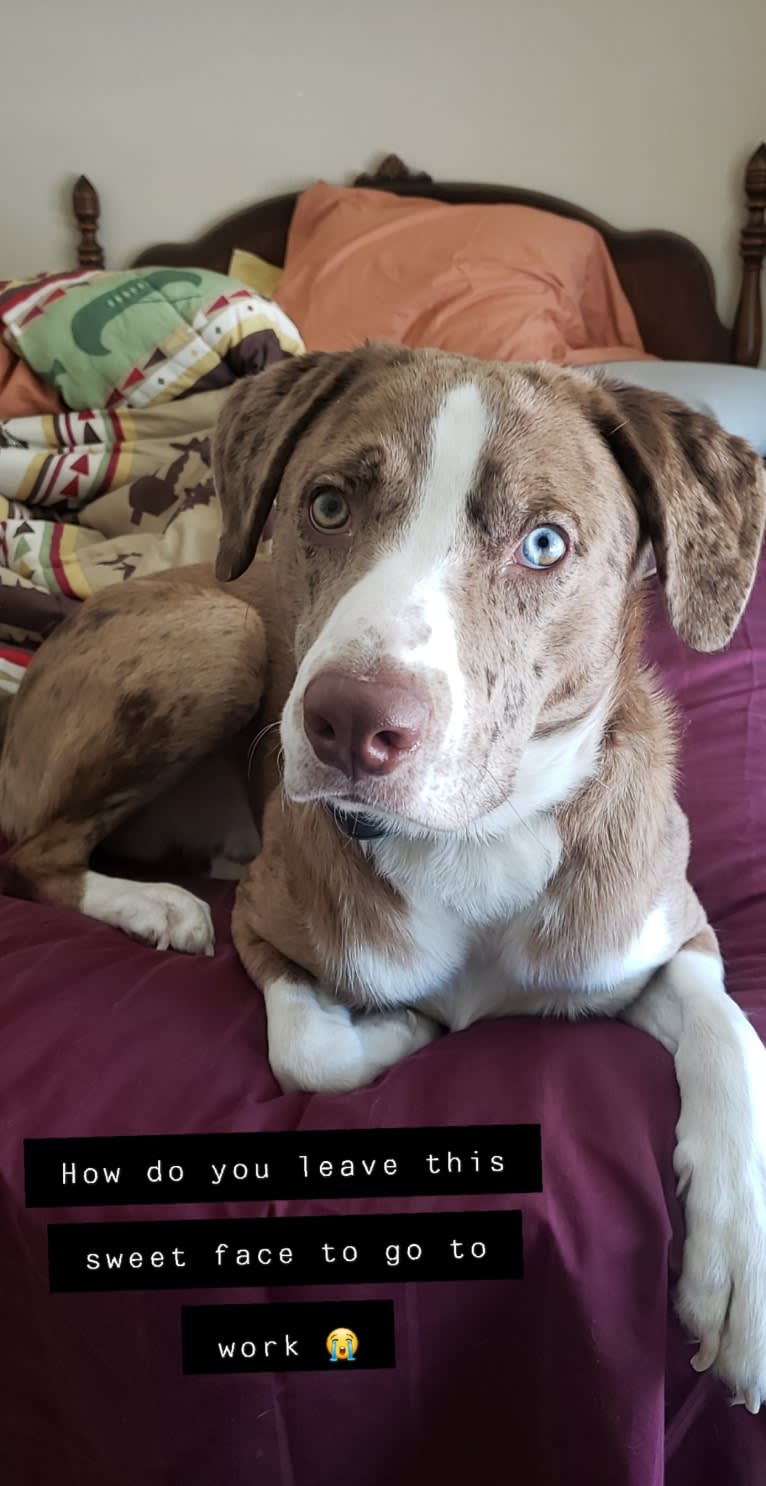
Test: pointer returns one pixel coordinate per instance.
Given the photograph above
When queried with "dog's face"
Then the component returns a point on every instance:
(444, 542)
(455, 548)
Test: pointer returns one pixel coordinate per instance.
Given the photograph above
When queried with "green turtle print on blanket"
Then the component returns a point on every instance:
(91, 320)
(136, 338)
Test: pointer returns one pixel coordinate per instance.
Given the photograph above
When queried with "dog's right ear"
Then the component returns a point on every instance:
(260, 424)
(700, 495)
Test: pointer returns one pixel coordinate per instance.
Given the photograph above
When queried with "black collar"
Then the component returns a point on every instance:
(358, 827)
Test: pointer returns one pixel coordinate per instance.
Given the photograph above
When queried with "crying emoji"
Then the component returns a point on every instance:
(342, 1345)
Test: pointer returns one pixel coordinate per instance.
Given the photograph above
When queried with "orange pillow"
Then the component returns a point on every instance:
(508, 283)
(21, 392)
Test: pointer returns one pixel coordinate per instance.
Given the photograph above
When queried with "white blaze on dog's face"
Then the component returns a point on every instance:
(401, 617)
(456, 558)
(455, 553)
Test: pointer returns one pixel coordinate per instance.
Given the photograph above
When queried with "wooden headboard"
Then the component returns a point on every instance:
(667, 280)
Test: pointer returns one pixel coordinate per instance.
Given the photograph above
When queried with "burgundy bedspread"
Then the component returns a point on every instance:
(577, 1373)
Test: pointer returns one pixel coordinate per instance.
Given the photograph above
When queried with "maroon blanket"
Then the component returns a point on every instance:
(577, 1373)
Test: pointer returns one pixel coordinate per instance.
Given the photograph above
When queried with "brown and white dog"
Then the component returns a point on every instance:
(473, 814)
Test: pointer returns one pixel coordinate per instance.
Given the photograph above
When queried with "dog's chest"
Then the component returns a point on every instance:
(476, 882)
(460, 899)
(460, 948)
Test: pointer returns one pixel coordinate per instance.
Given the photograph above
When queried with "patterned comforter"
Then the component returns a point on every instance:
(119, 482)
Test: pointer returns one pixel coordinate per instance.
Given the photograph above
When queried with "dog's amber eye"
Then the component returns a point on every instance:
(543, 548)
(329, 510)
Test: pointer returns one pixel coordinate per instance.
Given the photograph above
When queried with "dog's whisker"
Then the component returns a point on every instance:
(254, 745)
(486, 773)
(262, 734)
(281, 773)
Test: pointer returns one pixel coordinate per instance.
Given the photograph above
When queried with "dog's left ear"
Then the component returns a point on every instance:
(260, 423)
(701, 498)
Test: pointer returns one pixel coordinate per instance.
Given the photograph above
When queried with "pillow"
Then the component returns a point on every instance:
(734, 395)
(21, 392)
(502, 282)
(259, 275)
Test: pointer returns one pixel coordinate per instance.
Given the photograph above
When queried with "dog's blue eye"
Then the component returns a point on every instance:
(543, 548)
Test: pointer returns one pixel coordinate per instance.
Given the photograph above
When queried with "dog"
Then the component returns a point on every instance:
(429, 709)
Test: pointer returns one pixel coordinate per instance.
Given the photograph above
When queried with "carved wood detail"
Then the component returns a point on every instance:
(90, 253)
(392, 170)
(748, 323)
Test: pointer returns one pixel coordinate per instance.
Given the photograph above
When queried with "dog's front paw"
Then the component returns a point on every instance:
(318, 1045)
(158, 913)
(721, 1297)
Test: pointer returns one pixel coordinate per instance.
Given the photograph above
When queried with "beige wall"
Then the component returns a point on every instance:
(180, 110)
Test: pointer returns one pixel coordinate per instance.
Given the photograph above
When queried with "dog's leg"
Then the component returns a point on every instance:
(119, 703)
(315, 1043)
(720, 1161)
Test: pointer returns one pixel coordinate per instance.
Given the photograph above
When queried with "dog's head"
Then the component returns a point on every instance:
(456, 547)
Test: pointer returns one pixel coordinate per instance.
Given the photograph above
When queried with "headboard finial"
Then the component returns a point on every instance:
(393, 171)
(748, 326)
(755, 175)
(90, 253)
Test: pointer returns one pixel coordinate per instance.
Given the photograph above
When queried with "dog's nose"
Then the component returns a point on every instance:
(362, 727)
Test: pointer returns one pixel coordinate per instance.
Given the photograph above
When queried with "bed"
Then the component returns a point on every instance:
(580, 1372)
(667, 279)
